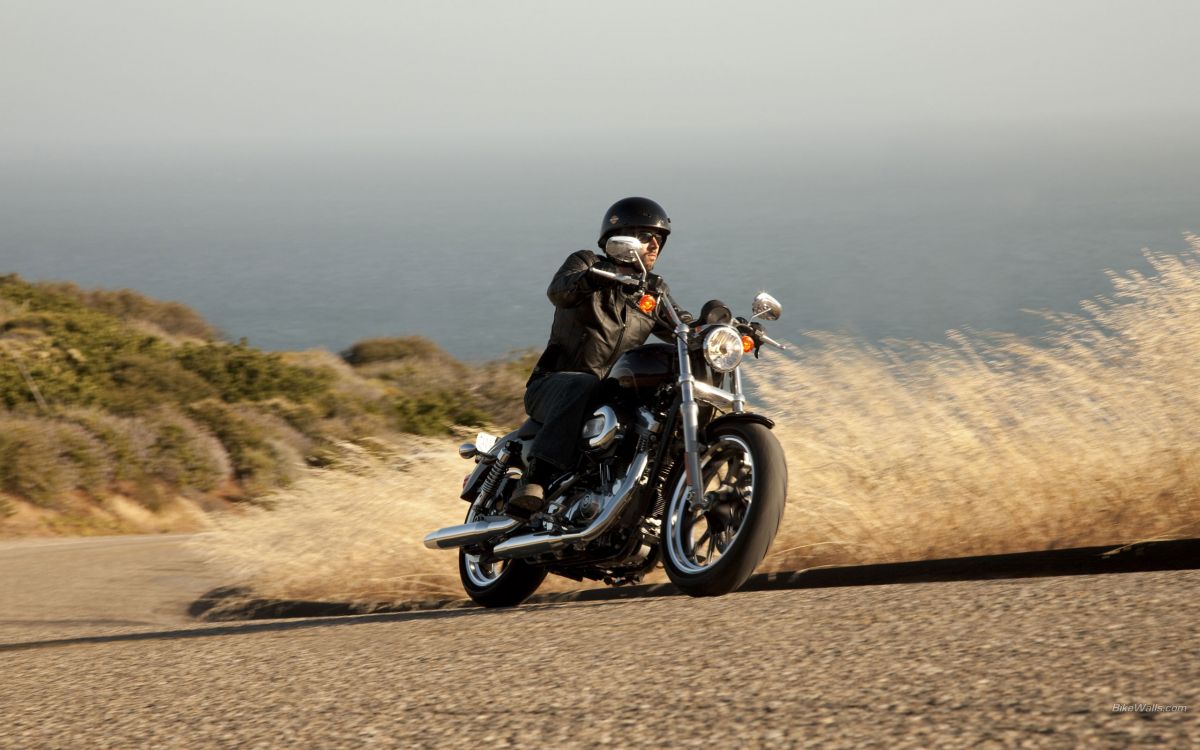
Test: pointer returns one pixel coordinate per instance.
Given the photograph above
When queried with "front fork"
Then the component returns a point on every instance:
(689, 410)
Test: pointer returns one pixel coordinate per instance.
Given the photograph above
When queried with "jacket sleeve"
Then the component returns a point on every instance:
(571, 283)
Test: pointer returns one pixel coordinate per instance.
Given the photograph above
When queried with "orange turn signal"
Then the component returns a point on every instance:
(647, 304)
(747, 344)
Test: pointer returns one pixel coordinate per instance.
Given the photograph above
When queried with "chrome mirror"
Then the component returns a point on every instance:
(766, 307)
(624, 249)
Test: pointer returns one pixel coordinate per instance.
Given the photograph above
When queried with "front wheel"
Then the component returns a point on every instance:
(497, 583)
(711, 546)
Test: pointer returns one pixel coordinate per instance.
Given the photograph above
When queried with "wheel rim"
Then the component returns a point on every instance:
(699, 534)
(480, 572)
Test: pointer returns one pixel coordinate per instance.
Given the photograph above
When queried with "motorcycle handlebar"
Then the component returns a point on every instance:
(629, 280)
(635, 281)
(768, 340)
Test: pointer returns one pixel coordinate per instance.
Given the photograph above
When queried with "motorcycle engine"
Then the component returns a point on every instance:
(584, 508)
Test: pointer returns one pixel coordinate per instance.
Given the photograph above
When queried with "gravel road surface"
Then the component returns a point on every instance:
(62, 587)
(1000, 663)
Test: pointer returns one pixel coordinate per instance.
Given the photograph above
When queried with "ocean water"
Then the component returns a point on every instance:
(321, 250)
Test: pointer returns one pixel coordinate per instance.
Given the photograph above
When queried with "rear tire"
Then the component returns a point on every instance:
(499, 583)
(745, 518)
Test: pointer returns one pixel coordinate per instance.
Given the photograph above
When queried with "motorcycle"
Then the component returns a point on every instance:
(674, 469)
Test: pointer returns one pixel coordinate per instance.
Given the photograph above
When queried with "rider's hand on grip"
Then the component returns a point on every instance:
(604, 266)
(609, 267)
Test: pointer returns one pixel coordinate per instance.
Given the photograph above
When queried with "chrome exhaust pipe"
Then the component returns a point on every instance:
(452, 537)
(536, 544)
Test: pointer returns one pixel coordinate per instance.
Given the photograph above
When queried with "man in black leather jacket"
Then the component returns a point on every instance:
(595, 321)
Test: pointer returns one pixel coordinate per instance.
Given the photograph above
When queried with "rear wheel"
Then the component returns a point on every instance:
(711, 546)
(496, 583)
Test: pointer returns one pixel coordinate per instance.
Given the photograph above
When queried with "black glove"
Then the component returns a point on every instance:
(607, 267)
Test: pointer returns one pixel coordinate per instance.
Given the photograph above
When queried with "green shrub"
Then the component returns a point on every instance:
(261, 460)
(140, 382)
(501, 387)
(183, 455)
(171, 317)
(395, 349)
(90, 456)
(67, 350)
(128, 440)
(41, 459)
(120, 402)
(304, 418)
(124, 304)
(434, 413)
(240, 372)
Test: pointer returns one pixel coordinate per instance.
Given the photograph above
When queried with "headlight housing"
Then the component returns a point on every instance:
(723, 348)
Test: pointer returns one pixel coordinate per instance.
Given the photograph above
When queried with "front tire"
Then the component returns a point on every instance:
(711, 548)
(497, 583)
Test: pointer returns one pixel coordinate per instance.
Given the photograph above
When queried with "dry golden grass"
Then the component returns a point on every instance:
(986, 444)
(990, 444)
(351, 532)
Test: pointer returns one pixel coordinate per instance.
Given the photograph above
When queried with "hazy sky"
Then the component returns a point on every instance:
(169, 74)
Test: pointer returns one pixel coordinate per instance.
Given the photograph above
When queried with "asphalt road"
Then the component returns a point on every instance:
(1000, 663)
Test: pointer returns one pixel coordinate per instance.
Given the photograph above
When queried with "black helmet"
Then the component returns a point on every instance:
(633, 213)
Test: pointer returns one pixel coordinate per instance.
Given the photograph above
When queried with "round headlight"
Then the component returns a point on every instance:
(723, 348)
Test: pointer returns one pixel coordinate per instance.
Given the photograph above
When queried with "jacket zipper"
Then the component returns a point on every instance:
(620, 337)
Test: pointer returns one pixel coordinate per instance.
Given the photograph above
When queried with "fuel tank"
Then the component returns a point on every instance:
(643, 369)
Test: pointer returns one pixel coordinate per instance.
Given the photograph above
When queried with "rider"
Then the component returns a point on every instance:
(596, 320)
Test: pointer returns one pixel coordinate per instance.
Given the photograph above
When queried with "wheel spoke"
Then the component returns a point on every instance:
(727, 471)
(688, 533)
(698, 542)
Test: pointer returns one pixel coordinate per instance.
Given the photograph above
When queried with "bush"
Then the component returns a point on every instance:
(259, 450)
(183, 454)
(435, 413)
(240, 372)
(171, 317)
(395, 349)
(99, 396)
(125, 304)
(42, 459)
(502, 387)
(304, 418)
(128, 440)
(140, 382)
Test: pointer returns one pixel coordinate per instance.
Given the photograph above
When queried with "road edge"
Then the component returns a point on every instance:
(228, 604)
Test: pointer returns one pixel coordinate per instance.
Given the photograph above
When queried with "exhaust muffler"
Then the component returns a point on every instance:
(469, 533)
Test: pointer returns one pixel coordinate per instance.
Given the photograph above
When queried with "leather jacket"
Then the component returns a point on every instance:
(595, 321)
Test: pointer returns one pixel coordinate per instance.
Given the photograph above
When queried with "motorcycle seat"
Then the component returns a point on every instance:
(528, 429)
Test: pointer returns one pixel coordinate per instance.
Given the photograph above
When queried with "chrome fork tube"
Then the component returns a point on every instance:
(689, 412)
(739, 399)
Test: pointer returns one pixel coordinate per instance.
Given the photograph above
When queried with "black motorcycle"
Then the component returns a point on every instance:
(673, 469)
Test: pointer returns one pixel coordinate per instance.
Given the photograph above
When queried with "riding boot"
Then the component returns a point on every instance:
(530, 494)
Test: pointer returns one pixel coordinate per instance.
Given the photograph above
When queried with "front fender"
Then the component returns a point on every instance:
(745, 416)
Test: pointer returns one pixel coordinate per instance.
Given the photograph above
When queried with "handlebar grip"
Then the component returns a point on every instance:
(622, 278)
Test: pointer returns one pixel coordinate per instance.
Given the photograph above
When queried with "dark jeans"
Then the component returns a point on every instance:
(562, 402)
